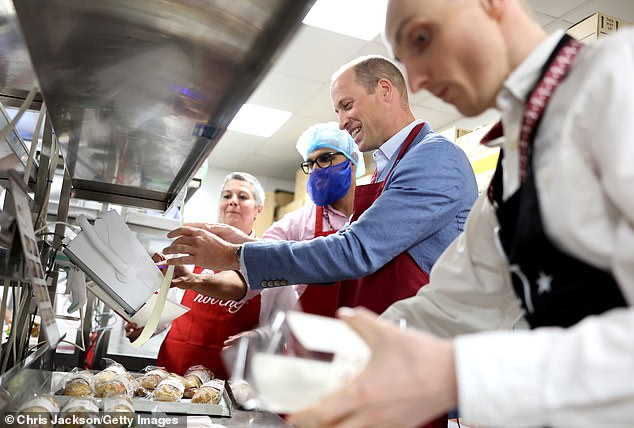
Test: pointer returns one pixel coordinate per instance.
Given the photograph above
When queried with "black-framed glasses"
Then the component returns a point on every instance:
(324, 160)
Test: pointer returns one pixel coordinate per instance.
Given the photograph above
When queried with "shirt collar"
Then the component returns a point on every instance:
(387, 150)
(523, 78)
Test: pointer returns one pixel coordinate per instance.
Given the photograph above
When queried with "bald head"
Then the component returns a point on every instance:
(460, 50)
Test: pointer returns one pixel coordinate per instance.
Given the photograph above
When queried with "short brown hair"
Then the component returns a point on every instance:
(370, 69)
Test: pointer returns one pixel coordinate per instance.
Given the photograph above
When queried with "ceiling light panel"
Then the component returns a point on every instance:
(362, 19)
(258, 120)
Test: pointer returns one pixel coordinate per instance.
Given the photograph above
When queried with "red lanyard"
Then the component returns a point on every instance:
(555, 70)
(539, 98)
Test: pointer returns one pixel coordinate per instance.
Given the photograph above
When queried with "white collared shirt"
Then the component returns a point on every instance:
(390, 148)
(584, 171)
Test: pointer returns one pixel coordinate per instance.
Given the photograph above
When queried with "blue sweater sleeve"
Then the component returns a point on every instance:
(420, 211)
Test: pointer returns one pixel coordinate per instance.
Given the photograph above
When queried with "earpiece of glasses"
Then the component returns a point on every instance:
(324, 160)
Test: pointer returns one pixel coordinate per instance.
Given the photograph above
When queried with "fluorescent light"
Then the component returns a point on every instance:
(363, 19)
(257, 120)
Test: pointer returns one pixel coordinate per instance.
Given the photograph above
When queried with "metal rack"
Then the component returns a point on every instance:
(138, 93)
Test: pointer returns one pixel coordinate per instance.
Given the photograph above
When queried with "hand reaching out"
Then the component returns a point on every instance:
(410, 379)
(224, 231)
(202, 248)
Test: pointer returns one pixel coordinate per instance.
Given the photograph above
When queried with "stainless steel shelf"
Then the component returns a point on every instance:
(139, 92)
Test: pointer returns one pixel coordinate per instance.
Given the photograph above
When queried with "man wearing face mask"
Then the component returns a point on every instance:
(332, 160)
(401, 222)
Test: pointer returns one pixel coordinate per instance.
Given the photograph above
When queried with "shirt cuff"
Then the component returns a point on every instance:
(499, 377)
(245, 274)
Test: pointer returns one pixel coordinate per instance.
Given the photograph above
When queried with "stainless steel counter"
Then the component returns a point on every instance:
(255, 419)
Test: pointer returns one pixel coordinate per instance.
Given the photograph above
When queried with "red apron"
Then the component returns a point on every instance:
(321, 299)
(401, 277)
(197, 337)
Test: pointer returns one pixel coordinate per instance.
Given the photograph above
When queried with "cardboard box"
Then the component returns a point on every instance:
(300, 184)
(291, 206)
(483, 159)
(266, 218)
(283, 197)
(453, 133)
(595, 26)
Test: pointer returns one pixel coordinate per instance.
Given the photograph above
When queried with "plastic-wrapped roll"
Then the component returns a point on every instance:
(122, 405)
(242, 391)
(189, 392)
(79, 384)
(171, 388)
(119, 403)
(81, 405)
(209, 392)
(110, 372)
(196, 375)
(152, 378)
(45, 407)
(120, 384)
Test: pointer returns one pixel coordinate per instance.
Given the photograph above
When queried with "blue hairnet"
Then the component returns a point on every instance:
(328, 135)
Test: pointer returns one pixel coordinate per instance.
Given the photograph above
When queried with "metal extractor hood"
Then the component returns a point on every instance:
(140, 91)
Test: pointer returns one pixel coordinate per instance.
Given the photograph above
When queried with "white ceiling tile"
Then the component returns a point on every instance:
(281, 151)
(294, 127)
(543, 19)
(556, 9)
(315, 54)
(286, 137)
(374, 48)
(270, 166)
(558, 24)
(320, 106)
(623, 9)
(436, 119)
(284, 92)
(227, 159)
(437, 104)
(240, 142)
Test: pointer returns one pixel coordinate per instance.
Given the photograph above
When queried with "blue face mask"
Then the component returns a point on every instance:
(326, 186)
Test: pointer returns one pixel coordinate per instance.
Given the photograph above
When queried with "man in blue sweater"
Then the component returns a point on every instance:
(412, 210)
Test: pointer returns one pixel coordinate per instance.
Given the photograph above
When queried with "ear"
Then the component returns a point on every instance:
(385, 89)
(258, 211)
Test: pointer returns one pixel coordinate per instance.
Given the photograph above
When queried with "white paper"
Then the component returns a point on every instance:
(322, 334)
(171, 311)
(113, 232)
(286, 384)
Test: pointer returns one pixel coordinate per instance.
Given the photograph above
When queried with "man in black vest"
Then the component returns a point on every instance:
(552, 240)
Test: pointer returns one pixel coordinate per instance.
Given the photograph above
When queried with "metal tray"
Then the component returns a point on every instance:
(182, 406)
